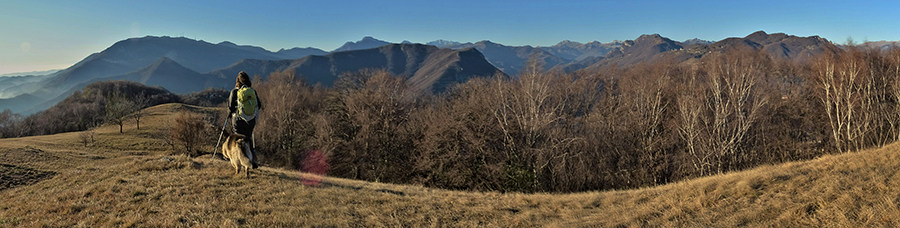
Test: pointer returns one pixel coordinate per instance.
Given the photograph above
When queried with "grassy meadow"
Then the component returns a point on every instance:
(135, 179)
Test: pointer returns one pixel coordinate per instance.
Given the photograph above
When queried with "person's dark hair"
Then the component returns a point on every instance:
(243, 79)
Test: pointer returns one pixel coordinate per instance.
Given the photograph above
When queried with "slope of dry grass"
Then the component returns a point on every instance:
(134, 179)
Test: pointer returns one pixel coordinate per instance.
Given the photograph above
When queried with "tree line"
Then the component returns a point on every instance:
(616, 128)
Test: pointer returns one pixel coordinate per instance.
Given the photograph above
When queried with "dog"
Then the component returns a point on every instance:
(237, 150)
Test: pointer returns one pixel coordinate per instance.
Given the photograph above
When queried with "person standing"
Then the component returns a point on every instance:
(244, 106)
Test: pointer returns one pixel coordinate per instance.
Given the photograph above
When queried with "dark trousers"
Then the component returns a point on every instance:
(246, 128)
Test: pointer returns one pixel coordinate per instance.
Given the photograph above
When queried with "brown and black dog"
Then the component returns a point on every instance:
(237, 150)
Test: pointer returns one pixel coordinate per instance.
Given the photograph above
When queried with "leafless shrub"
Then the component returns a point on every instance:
(189, 130)
(86, 137)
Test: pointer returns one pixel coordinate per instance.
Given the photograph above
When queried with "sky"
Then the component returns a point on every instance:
(41, 35)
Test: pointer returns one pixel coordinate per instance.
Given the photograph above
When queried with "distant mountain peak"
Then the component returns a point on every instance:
(486, 42)
(697, 41)
(297, 52)
(759, 33)
(763, 38)
(366, 43)
(443, 43)
(227, 43)
(643, 48)
(568, 42)
(650, 37)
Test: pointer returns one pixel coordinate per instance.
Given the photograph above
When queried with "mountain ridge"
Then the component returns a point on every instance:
(403, 60)
(576, 51)
(653, 47)
(366, 42)
(133, 54)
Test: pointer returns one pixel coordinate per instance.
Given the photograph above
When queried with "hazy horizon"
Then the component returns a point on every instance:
(45, 35)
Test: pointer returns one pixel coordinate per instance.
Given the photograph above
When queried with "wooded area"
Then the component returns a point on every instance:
(546, 131)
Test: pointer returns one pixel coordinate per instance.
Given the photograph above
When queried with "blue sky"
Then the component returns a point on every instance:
(42, 35)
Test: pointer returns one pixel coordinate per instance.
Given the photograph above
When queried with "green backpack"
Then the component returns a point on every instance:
(247, 103)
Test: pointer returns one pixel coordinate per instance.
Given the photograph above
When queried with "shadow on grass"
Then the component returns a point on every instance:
(13, 176)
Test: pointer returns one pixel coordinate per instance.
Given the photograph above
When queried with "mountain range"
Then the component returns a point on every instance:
(184, 65)
(427, 67)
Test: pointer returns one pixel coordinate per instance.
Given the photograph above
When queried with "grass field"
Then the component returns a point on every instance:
(135, 179)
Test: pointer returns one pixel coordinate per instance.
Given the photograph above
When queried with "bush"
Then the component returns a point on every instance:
(190, 130)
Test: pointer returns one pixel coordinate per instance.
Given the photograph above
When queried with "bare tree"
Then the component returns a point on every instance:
(718, 107)
(690, 128)
(141, 101)
(893, 73)
(528, 112)
(117, 109)
(844, 95)
(734, 102)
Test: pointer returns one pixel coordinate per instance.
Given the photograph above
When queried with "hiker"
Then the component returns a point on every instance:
(244, 106)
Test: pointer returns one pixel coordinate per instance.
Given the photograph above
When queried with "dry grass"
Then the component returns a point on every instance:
(133, 179)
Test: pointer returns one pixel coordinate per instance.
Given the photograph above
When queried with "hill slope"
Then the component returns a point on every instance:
(134, 179)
